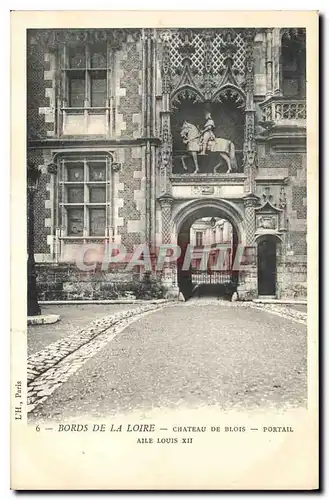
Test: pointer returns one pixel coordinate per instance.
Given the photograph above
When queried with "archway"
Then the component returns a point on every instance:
(219, 281)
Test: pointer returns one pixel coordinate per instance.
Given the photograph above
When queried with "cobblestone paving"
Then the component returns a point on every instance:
(295, 313)
(202, 352)
(46, 370)
(73, 317)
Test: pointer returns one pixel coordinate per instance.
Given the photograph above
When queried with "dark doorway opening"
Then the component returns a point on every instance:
(267, 266)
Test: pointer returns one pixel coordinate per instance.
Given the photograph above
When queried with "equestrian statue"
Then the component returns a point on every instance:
(201, 142)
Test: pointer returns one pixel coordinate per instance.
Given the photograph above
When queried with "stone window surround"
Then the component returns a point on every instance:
(87, 112)
(61, 205)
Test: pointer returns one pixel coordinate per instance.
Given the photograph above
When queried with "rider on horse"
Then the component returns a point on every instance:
(207, 135)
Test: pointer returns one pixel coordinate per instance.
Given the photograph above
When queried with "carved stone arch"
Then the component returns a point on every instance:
(229, 211)
(186, 92)
(231, 91)
(259, 237)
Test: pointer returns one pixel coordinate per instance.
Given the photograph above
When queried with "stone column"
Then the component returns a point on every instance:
(248, 285)
(166, 202)
(165, 157)
(249, 146)
(250, 202)
(52, 169)
(169, 273)
(269, 63)
(165, 154)
(276, 56)
(148, 125)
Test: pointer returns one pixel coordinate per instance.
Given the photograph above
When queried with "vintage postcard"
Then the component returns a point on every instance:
(164, 250)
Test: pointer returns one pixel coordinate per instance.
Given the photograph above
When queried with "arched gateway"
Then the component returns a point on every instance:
(222, 280)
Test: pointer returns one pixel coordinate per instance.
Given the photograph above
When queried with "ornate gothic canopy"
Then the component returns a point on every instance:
(205, 64)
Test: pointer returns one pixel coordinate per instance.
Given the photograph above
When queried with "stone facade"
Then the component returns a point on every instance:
(150, 81)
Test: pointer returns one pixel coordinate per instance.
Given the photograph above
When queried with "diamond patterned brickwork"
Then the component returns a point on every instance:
(130, 102)
(299, 201)
(166, 224)
(292, 162)
(41, 213)
(129, 210)
(298, 243)
(250, 224)
(37, 87)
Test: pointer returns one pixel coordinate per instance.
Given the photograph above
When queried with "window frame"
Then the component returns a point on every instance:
(198, 238)
(88, 71)
(63, 185)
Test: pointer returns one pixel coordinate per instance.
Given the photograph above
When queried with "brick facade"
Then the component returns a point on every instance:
(143, 72)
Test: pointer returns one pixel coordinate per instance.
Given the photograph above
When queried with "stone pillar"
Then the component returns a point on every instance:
(269, 63)
(166, 202)
(52, 169)
(249, 146)
(148, 126)
(208, 88)
(250, 202)
(169, 273)
(248, 285)
(276, 56)
(165, 157)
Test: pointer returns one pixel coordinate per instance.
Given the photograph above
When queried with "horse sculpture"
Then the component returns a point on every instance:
(190, 135)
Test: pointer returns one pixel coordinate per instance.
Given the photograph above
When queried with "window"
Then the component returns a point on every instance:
(198, 238)
(86, 107)
(84, 196)
(86, 76)
(293, 58)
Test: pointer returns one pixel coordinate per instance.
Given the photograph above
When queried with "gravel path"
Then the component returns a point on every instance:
(191, 354)
(73, 318)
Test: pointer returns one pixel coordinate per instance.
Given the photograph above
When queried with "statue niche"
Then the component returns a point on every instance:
(196, 145)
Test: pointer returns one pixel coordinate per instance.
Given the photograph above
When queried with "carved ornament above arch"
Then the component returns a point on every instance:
(230, 92)
(271, 218)
(187, 92)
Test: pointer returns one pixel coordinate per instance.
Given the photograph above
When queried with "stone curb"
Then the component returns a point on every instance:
(283, 301)
(40, 362)
(43, 319)
(114, 301)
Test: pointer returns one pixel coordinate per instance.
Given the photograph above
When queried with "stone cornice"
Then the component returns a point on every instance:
(272, 180)
(288, 137)
(90, 142)
(52, 38)
(217, 180)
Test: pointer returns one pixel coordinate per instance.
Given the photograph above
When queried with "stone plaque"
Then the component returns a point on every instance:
(204, 190)
(267, 222)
